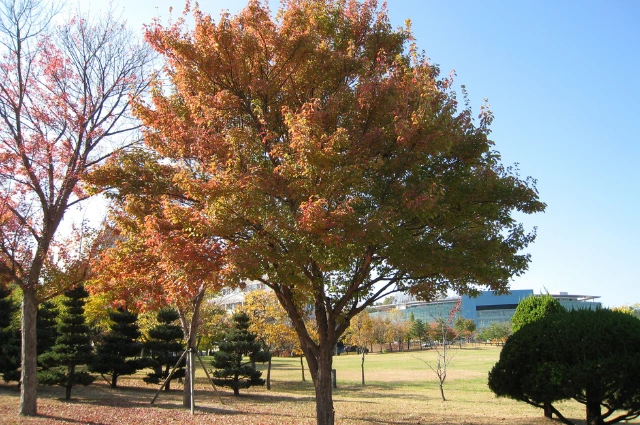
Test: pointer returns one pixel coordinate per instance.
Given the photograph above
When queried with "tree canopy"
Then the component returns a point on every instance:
(65, 93)
(334, 163)
(533, 308)
(591, 356)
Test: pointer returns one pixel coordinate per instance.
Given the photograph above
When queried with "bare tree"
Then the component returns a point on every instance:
(445, 351)
(444, 355)
(64, 107)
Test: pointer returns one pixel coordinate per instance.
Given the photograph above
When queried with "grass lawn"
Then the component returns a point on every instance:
(400, 389)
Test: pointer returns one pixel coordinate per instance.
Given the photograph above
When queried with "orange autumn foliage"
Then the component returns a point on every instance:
(333, 162)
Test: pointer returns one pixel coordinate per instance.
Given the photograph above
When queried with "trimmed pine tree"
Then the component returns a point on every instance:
(166, 345)
(73, 347)
(238, 344)
(121, 343)
(46, 326)
(9, 338)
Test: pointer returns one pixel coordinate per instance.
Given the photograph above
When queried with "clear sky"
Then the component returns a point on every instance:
(563, 81)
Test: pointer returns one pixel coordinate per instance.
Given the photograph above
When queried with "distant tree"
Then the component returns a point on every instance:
(9, 337)
(388, 300)
(591, 356)
(397, 328)
(497, 332)
(270, 323)
(214, 320)
(441, 331)
(73, 346)
(420, 331)
(632, 310)
(533, 308)
(231, 369)
(165, 342)
(465, 327)
(380, 326)
(360, 333)
(117, 347)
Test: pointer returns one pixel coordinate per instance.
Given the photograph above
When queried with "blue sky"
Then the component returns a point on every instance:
(562, 78)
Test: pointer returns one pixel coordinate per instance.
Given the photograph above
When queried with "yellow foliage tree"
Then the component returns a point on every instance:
(272, 325)
(361, 333)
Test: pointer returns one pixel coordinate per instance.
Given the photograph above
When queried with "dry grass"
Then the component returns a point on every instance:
(400, 390)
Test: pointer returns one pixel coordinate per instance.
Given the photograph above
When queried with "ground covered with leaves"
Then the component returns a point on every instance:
(399, 390)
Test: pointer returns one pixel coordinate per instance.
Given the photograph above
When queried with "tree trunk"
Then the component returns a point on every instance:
(190, 329)
(190, 374)
(269, 373)
(167, 371)
(321, 373)
(548, 413)
(594, 415)
(363, 350)
(67, 388)
(28, 377)
(114, 381)
(442, 391)
(302, 367)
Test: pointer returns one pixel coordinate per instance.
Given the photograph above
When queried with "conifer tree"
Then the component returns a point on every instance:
(165, 340)
(9, 338)
(73, 346)
(119, 344)
(238, 343)
(46, 326)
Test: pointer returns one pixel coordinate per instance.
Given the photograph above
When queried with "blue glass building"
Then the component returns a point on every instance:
(484, 309)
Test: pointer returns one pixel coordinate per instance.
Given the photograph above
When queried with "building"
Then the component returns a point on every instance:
(484, 309)
(230, 299)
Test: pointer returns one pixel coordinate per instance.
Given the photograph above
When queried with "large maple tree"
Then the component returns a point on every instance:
(64, 107)
(337, 165)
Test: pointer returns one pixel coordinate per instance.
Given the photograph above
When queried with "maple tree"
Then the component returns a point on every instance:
(162, 255)
(64, 107)
(334, 162)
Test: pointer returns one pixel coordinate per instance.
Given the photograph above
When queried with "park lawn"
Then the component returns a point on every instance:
(400, 389)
